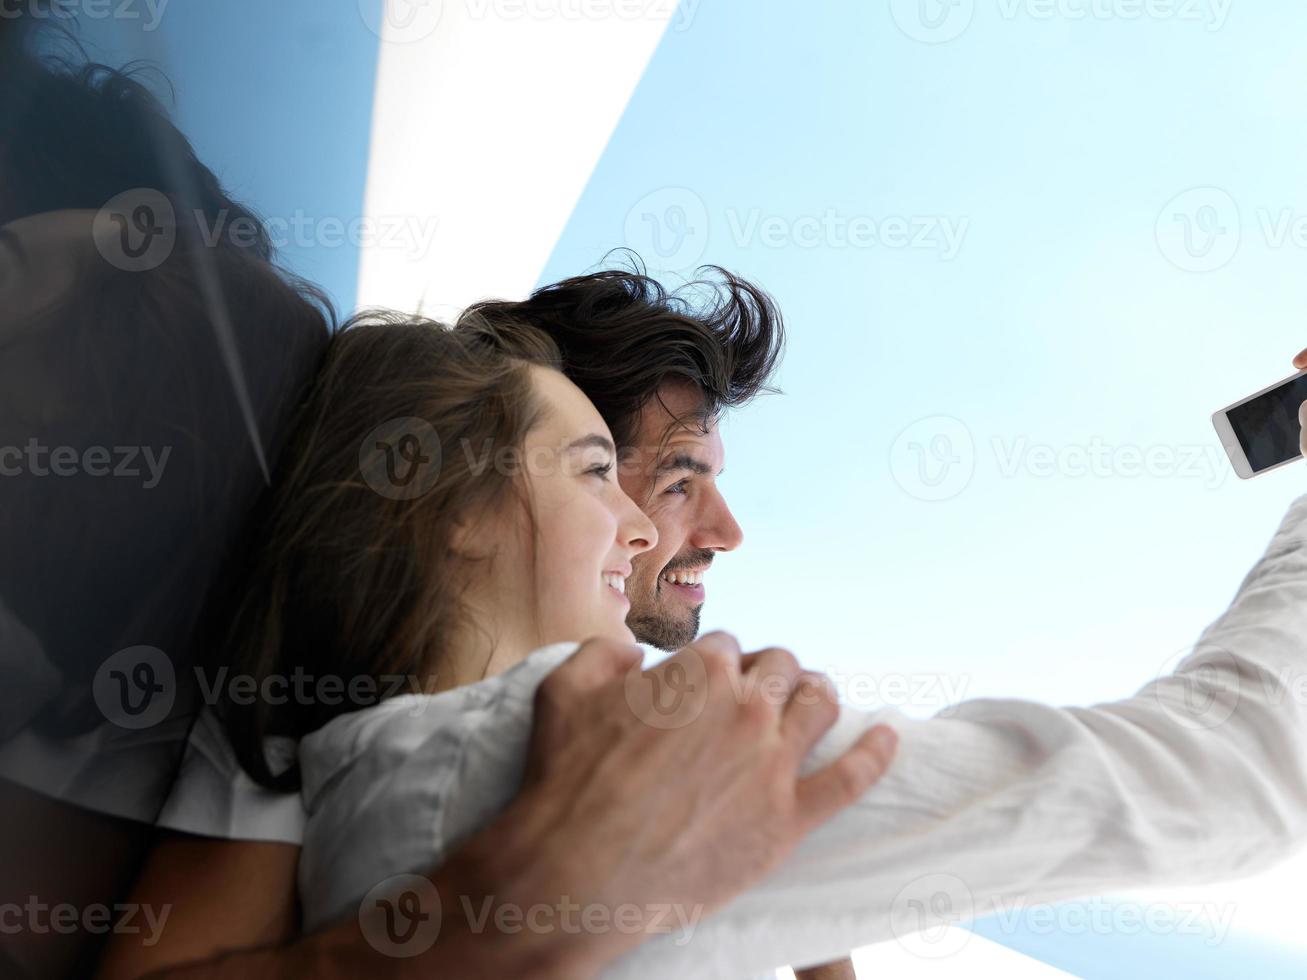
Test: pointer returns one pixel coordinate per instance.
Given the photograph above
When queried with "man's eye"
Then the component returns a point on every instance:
(680, 486)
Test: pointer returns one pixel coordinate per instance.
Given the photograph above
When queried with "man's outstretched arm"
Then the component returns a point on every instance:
(1200, 776)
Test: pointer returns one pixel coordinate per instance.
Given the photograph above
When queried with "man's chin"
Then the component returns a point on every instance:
(665, 631)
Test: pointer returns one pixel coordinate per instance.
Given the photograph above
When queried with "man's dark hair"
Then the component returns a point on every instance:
(623, 335)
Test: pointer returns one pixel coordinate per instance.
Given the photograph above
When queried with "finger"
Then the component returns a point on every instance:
(772, 671)
(717, 653)
(1300, 360)
(826, 792)
(718, 642)
(596, 663)
(811, 711)
(750, 661)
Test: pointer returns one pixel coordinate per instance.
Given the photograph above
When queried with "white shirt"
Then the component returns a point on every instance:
(1201, 775)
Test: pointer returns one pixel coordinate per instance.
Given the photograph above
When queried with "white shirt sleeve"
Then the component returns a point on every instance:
(214, 797)
(1201, 775)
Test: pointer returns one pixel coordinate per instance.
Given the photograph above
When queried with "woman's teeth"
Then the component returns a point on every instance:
(683, 578)
(613, 580)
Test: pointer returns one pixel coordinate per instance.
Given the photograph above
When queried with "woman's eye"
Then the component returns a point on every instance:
(601, 470)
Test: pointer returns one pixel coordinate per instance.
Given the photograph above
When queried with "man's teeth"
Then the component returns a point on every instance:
(683, 578)
(616, 581)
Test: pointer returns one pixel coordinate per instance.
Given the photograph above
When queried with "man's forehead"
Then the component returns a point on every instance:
(672, 424)
(675, 415)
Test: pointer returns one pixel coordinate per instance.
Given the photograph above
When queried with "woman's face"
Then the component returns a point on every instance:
(559, 573)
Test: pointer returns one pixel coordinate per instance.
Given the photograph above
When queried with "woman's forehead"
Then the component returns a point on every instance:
(566, 406)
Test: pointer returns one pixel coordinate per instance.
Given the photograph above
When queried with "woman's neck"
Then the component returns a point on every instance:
(478, 653)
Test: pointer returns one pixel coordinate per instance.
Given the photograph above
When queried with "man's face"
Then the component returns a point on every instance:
(672, 476)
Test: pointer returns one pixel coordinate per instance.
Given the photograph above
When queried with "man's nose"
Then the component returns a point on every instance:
(717, 529)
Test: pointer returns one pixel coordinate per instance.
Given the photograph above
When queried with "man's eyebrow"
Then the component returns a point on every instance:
(682, 461)
(593, 439)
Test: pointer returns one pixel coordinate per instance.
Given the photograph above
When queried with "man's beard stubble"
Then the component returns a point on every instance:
(659, 627)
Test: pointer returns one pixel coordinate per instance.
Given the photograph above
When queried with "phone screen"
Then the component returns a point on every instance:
(1267, 426)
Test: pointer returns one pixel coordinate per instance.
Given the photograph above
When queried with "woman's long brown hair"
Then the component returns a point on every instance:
(351, 588)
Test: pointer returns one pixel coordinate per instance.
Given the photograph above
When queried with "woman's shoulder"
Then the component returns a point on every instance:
(401, 725)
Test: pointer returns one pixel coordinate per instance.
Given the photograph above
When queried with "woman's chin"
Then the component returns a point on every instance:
(617, 632)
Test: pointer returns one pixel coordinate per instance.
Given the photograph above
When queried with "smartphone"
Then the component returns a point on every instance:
(1261, 433)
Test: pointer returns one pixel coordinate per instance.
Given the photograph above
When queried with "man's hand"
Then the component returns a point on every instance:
(1300, 362)
(623, 807)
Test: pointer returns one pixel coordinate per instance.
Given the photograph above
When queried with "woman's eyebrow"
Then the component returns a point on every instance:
(593, 439)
